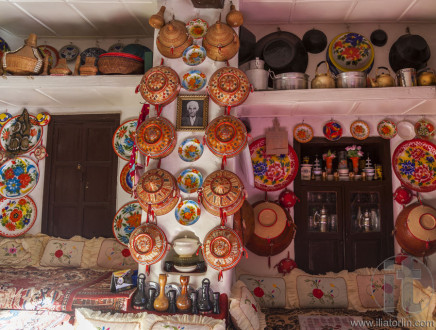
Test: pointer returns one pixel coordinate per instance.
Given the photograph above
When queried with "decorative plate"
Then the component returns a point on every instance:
(424, 129)
(123, 139)
(387, 129)
(303, 133)
(222, 248)
(156, 186)
(350, 52)
(43, 118)
(4, 117)
(332, 130)
(190, 149)
(226, 136)
(4, 47)
(128, 217)
(359, 129)
(69, 52)
(116, 48)
(194, 55)
(188, 212)
(406, 130)
(17, 216)
(18, 176)
(271, 172)
(126, 179)
(51, 52)
(155, 137)
(40, 152)
(193, 80)
(91, 52)
(148, 244)
(35, 135)
(159, 85)
(197, 28)
(190, 180)
(415, 166)
(229, 86)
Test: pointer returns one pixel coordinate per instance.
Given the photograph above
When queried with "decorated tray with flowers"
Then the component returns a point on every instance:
(126, 220)
(17, 216)
(7, 132)
(387, 129)
(124, 138)
(18, 177)
(359, 129)
(197, 28)
(190, 149)
(414, 164)
(303, 133)
(272, 172)
(187, 212)
(126, 179)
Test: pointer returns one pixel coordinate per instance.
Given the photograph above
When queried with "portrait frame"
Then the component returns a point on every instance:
(183, 115)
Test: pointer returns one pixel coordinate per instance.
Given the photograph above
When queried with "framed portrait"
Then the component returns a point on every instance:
(192, 112)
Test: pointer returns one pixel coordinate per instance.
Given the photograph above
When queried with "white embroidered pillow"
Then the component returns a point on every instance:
(21, 252)
(62, 253)
(88, 319)
(244, 309)
(270, 292)
(115, 255)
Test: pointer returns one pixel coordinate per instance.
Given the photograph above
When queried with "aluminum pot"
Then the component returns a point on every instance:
(290, 80)
(351, 79)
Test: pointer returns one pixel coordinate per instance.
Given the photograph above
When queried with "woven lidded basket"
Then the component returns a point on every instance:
(120, 63)
(25, 60)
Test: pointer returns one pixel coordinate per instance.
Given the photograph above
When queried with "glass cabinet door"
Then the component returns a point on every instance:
(322, 211)
(365, 211)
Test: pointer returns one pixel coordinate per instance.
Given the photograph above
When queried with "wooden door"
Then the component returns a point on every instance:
(80, 176)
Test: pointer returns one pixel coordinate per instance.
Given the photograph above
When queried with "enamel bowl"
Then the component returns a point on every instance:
(185, 247)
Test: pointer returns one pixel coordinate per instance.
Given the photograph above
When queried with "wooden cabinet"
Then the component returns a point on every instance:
(343, 224)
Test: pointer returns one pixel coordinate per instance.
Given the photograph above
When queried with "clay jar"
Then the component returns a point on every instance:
(157, 20)
(234, 18)
(221, 42)
(173, 39)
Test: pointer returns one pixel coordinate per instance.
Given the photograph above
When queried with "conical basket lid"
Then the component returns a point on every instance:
(220, 35)
(155, 186)
(173, 34)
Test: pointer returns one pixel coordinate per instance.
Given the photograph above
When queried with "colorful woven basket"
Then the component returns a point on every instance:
(120, 63)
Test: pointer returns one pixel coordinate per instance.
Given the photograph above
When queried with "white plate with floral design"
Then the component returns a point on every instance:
(387, 129)
(194, 55)
(17, 216)
(124, 139)
(125, 221)
(19, 177)
(303, 133)
(359, 130)
(190, 180)
(197, 28)
(35, 134)
(190, 149)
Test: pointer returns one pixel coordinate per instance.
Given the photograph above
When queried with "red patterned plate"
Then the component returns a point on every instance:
(222, 248)
(148, 244)
(332, 130)
(414, 164)
(126, 179)
(51, 52)
(359, 130)
(272, 172)
(229, 86)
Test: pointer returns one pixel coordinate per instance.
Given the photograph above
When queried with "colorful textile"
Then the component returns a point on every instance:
(35, 320)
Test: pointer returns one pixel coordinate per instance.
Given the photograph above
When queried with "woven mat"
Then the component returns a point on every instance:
(322, 322)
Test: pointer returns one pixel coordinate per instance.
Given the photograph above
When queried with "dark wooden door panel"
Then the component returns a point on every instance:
(325, 256)
(365, 253)
(81, 176)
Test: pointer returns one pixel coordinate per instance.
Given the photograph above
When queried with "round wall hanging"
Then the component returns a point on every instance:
(148, 244)
(187, 212)
(271, 172)
(27, 145)
(387, 129)
(414, 164)
(125, 221)
(194, 55)
(359, 129)
(190, 180)
(193, 80)
(4, 117)
(69, 52)
(332, 130)
(19, 177)
(51, 52)
(424, 129)
(197, 28)
(126, 179)
(190, 149)
(17, 216)
(229, 86)
(124, 138)
(303, 133)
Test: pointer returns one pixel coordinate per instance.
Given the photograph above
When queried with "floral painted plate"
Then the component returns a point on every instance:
(126, 179)
(359, 130)
(415, 166)
(124, 138)
(303, 133)
(190, 180)
(332, 130)
(34, 138)
(194, 80)
(272, 172)
(387, 129)
(406, 130)
(18, 177)
(125, 221)
(4, 117)
(43, 118)
(51, 52)
(197, 28)
(69, 52)
(194, 55)
(190, 149)
(188, 212)
(4, 47)
(424, 129)
(17, 216)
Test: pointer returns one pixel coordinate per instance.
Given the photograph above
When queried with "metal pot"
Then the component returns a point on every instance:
(426, 77)
(258, 78)
(323, 80)
(383, 79)
(351, 79)
(290, 80)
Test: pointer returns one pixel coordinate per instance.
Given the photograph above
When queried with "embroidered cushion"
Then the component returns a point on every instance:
(64, 253)
(191, 322)
(269, 292)
(90, 252)
(21, 252)
(88, 319)
(115, 255)
(244, 309)
(317, 291)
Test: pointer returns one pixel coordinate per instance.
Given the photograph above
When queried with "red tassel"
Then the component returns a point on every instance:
(244, 252)
(147, 160)
(172, 50)
(198, 250)
(137, 89)
(158, 163)
(227, 63)
(220, 276)
(204, 139)
(147, 269)
(161, 61)
(228, 109)
(427, 245)
(251, 88)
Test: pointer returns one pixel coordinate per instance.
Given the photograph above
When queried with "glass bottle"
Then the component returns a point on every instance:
(139, 299)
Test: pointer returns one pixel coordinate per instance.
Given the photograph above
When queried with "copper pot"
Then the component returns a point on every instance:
(221, 42)
(323, 80)
(173, 39)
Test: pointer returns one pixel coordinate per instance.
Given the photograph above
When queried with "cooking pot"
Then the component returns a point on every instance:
(257, 63)
(406, 77)
(426, 77)
(173, 39)
(290, 80)
(383, 79)
(323, 80)
(258, 78)
(351, 79)
(221, 42)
